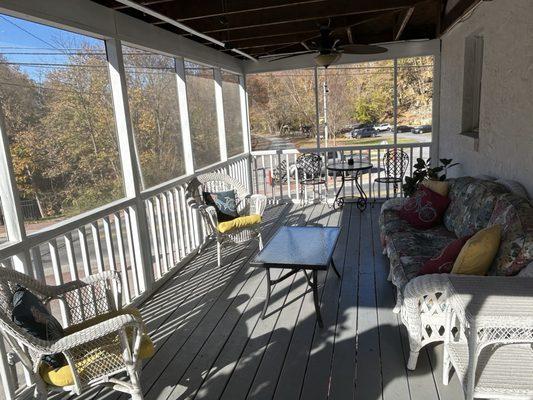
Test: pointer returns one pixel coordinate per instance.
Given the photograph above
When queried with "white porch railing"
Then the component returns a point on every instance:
(274, 171)
(109, 238)
(105, 239)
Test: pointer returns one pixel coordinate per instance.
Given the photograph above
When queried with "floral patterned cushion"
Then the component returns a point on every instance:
(475, 204)
(515, 215)
(415, 248)
(471, 206)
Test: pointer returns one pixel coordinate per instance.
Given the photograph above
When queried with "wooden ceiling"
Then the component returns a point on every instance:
(264, 28)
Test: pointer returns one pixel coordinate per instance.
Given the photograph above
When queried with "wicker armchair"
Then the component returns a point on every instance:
(100, 343)
(246, 205)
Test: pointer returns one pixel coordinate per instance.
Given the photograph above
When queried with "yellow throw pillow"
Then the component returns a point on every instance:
(479, 251)
(241, 222)
(440, 187)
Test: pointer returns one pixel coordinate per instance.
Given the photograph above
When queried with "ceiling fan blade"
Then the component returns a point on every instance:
(291, 55)
(362, 49)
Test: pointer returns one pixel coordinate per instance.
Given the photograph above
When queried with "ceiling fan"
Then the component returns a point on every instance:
(329, 50)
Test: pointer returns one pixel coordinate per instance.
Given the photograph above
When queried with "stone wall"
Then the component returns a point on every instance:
(505, 145)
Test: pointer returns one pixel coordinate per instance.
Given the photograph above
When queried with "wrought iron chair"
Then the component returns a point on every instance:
(279, 173)
(247, 204)
(310, 173)
(101, 341)
(395, 162)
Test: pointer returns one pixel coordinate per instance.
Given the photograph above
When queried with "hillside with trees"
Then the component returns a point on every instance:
(281, 103)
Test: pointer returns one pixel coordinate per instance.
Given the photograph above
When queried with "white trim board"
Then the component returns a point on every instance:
(89, 18)
(403, 49)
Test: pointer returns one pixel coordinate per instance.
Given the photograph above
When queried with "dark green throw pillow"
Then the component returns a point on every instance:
(33, 317)
(225, 204)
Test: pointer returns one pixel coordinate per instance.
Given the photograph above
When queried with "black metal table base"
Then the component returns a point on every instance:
(312, 280)
(361, 201)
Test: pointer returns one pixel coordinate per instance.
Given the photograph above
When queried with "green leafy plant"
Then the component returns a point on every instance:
(424, 170)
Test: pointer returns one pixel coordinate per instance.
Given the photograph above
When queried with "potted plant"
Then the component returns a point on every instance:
(423, 170)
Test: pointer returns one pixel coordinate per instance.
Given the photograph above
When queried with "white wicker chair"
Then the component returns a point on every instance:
(246, 205)
(83, 300)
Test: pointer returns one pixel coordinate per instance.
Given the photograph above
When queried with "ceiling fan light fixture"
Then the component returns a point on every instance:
(326, 59)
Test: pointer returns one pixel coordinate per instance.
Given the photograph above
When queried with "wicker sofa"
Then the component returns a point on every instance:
(474, 205)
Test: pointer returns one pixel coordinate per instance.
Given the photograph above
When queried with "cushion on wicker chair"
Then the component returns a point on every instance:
(225, 204)
(240, 222)
(63, 376)
(34, 318)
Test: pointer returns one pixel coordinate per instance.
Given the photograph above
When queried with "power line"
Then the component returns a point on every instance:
(29, 33)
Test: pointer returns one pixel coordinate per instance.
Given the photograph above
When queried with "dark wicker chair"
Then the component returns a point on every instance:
(310, 172)
(395, 162)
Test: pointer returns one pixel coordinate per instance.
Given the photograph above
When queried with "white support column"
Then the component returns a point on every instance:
(317, 110)
(435, 111)
(395, 101)
(184, 116)
(10, 200)
(130, 164)
(220, 115)
(246, 134)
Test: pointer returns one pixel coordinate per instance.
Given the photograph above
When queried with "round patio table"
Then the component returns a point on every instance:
(350, 172)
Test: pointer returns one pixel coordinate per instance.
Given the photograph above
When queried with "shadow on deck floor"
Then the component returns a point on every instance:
(211, 343)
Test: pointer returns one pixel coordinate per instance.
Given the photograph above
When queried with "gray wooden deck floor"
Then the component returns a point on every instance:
(211, 343)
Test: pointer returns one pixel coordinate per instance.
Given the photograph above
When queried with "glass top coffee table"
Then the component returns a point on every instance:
(298, 248)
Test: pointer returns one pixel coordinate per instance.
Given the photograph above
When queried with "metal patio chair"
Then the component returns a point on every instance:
(395, 162)
(310, 173)
(101, 341)
(246, 205)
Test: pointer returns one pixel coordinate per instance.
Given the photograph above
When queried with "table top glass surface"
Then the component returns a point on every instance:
(344, 166)
(299, 245)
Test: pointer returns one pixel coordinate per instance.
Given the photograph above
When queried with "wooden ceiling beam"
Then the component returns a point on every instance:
(401, 22)
(191, 11)
(309, 28)
(314, 11)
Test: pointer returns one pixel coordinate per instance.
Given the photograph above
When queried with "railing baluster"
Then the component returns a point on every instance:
(73, 267)
(84, 249)
(122, 258)
(172, 216)
(168, 234)
(131, 252)
(187, 221)
(38, 269)
(155, 242)
(95, 230)
(58, 276)
(180, 222)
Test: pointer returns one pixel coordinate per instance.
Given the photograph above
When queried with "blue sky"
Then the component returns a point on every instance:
(27, 42)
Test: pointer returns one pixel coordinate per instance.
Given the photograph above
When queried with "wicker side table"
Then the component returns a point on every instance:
(489, 322)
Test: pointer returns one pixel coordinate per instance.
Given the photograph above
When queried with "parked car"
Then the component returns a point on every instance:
(422, 129)
(385, 127)
(403, 128)
(364, 133)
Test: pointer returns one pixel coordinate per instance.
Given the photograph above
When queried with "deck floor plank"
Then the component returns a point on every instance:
(318, 373)
(393, 362)
(212, 344)
(257, 370)
(221, 365)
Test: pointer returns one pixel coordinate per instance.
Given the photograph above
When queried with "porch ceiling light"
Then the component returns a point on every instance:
(326, 59)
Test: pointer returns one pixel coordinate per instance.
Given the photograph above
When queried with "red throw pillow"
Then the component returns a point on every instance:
(443, 262)
(425, 209)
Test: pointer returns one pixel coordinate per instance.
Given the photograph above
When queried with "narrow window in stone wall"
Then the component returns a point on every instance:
(472, 85)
